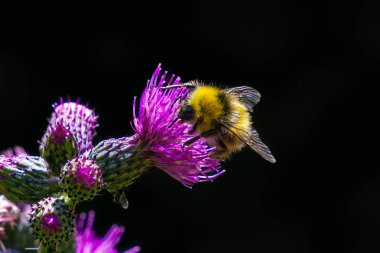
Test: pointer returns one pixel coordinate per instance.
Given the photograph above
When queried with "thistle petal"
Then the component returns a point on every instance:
(87, 241)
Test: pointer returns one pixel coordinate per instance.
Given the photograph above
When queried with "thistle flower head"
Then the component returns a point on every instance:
(70, 133)
(74, 118)
(51, 221)
(9, 214)
(164, 140)
(87, 241)
(81, 179)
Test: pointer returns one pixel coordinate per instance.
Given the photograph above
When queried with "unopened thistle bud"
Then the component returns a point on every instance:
(60, 146)
(70, 133)
(81, 179)
(51, 222)
(26, 179)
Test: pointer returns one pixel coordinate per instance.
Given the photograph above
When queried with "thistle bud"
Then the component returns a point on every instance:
(70, 133)
(26, 179)
(121, 161)
(51, 222)
(60, 146)
(81, 179)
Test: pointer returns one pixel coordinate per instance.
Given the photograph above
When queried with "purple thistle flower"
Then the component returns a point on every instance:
(87, 241)
(164, 140)
(74, 118)
(69, 134)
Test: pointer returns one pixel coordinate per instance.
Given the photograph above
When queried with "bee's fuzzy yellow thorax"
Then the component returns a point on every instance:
(206, 103)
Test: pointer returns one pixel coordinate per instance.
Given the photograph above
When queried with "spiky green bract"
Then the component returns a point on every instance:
(26, 179)
(122, 162)
(51, 222)
(81, 179)
(59, 147)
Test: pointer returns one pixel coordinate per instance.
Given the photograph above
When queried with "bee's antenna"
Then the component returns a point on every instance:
(176, 100)
(188, 85)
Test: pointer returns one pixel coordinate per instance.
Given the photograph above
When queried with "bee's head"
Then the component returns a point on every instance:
(186, 113)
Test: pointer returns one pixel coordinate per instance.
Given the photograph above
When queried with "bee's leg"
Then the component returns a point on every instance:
(207, 133)
(221, 151)
(172, 123)
(192, 131)
(221, 147)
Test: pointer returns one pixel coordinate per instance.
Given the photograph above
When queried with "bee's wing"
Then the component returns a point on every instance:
(247, 95)
(255, 143)
(253, 140)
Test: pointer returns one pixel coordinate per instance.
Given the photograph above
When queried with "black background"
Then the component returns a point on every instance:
(316, 64)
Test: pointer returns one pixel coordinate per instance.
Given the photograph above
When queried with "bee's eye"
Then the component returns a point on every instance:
(186, 112)
(188, 109)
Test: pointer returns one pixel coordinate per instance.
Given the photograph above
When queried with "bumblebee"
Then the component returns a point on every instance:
(222, 117)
